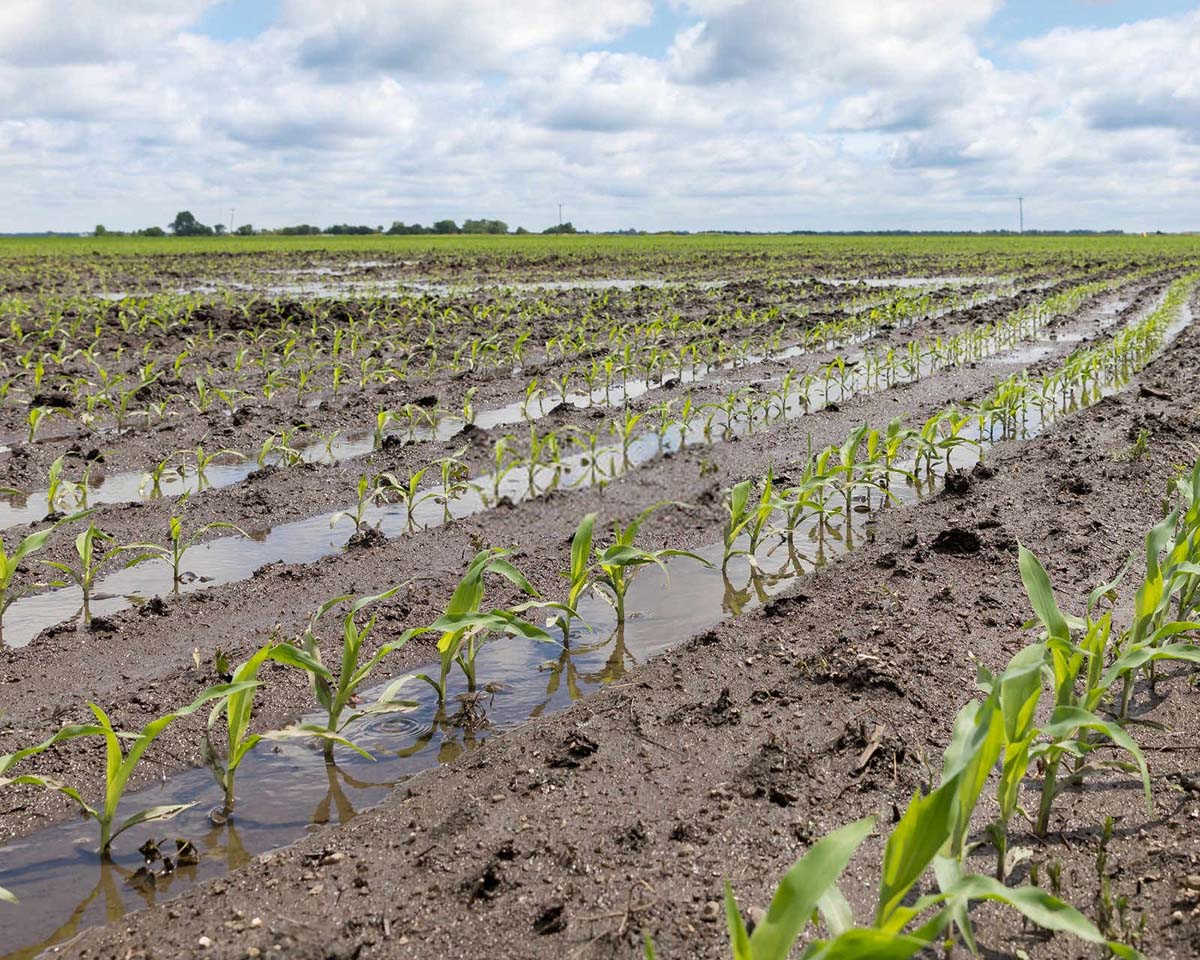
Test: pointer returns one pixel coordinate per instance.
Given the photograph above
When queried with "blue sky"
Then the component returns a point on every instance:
(757, 114)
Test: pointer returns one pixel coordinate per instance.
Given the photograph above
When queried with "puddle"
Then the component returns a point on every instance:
(282, 792)
(908, 281)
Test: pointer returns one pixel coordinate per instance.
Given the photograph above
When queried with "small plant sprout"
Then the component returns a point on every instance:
(617, 564)
(408, 492)
(203, 460)
(368, 492)
(176, 546)
(123, 752)
(454, 474)
(336, 696)
(37, 416)
(237, 709)
(468, 407)
(464, 626)
(750, 519)
(579, 575)
(92, 558)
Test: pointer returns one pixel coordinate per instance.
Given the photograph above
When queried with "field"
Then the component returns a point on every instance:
(530, 596)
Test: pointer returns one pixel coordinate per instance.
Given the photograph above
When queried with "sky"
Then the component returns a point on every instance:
(653, 114)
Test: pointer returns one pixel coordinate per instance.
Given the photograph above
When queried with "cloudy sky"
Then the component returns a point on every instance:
(736, 114)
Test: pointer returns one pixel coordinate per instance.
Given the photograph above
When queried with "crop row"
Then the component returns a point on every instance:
(547, 463)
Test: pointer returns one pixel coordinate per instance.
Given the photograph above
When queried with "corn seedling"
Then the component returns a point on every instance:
(176, 546)
(238, 707)
(91, 562)
(464, 626)
(367, 493)
(579, 575)
(9, 564)
(742, 517)
(335, 696)
(120, 762)
(618, 563)
(408, 492)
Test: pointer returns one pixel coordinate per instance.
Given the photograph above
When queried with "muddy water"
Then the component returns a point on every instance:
(283, 791)
(230, 559)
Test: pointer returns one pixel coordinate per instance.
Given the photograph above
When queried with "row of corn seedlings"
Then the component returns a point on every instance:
(1082, 668)
(325, 357)
(547, 464)
(332, 351)
(124, 397)
(461, 629)
(1080, 665)
(187, 470)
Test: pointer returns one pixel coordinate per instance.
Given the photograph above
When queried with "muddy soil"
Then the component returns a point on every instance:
(721, 759)
(728, 756)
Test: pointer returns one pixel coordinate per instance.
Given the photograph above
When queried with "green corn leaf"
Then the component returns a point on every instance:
(926, 825)
(164, 812)
(835, 910)
(739, 941)
(1040, 907)
(867, 944)
(581, 547)
(803, 886)
(1041, 596)
(1066, 720)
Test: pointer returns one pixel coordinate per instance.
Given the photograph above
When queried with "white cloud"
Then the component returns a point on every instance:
(762, 113)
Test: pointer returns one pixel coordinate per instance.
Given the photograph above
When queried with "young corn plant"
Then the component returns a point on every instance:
(92, 560)
(237, 709)
(617, 564)
(743, 517)
(338, 695)
(122, 755)
(177, 544)
(902, 926)
(368, 493)
(465, 625)
(579, 575)
(408, 492)
(10, 593)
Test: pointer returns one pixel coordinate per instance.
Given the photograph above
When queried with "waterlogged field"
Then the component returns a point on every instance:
(600, 597)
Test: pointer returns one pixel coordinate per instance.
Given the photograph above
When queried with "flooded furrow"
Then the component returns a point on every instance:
(286, 789)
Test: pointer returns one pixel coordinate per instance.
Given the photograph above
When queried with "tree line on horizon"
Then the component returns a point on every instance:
(185, 224)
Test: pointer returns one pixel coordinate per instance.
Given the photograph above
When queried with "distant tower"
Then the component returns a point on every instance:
(1021, 214)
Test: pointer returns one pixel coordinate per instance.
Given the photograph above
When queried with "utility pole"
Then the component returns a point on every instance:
(231, 212)
(1021, 213)
(560, 214)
